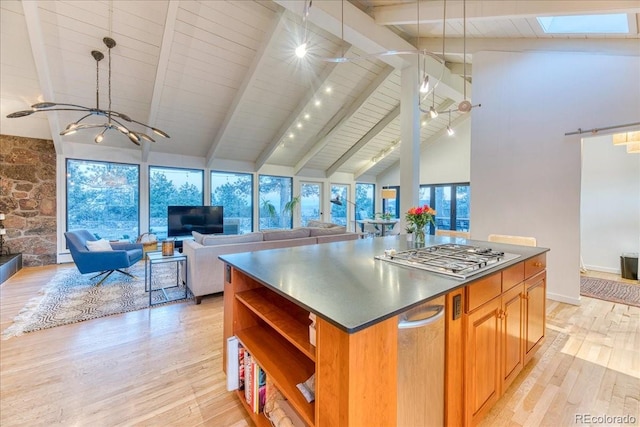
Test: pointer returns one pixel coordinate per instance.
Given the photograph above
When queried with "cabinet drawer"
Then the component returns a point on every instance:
(482, 291)
(512, 276)
(535, 265)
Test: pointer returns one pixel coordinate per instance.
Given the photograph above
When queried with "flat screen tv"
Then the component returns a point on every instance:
(185, 219)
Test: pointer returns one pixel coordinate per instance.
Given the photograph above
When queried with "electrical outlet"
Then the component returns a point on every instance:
(457, 306)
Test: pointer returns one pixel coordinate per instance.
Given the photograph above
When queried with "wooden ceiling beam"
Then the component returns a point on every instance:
(269, 42)
(341, 118)
(36, 39)
(161, 72)
(431, 11)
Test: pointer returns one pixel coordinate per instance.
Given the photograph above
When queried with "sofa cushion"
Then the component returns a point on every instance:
(197, 236)
(98, 245)
(296, 233)
(320, 224)
(227, 239)
(319, 231)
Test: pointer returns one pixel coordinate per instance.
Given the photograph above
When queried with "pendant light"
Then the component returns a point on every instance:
(115, 119)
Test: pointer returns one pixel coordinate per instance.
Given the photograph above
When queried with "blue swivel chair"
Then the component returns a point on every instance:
(123, 255)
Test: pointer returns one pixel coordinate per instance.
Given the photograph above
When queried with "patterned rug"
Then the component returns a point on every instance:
(71, 297)
(610, 290)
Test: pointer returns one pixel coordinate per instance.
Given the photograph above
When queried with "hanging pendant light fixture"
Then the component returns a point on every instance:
(114, 119)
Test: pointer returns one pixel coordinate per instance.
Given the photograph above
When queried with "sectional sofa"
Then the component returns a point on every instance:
(206, 272)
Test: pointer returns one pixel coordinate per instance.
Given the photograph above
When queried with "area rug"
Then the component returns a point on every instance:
(71, 297)
(609, 290)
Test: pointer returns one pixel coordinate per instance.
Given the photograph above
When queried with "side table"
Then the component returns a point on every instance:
(153, 258)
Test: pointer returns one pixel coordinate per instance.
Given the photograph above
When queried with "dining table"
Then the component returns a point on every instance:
(383, 225)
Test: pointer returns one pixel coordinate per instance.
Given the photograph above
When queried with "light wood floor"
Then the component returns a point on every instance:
(162, 367)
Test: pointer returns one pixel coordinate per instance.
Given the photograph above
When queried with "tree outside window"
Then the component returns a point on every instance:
(274, 194)
(172, 187)
(234, 192)
(103, 198)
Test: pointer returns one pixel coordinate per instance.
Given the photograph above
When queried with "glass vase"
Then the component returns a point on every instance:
(419, 236)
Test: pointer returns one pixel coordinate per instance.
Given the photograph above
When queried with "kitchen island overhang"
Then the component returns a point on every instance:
(345, 285)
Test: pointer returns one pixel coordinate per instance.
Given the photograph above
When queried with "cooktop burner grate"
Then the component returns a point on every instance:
(459, 261)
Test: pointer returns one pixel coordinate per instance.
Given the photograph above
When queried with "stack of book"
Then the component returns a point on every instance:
(251, 378)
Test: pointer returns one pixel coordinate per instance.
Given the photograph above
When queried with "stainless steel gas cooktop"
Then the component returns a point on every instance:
(459, 261)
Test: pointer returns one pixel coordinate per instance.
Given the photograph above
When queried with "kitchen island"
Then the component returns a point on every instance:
(357, 300)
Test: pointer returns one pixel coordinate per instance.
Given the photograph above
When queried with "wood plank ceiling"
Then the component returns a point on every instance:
(221, 78)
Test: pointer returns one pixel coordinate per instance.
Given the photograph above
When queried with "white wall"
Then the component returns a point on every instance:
(445, 160)
(525, 173)
(610, 203)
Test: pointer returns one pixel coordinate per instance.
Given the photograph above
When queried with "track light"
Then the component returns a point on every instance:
(433, 113)
(301, 50)
(424, 87)
(450, 131)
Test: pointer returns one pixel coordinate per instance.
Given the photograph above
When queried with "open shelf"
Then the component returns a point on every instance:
(269, 307)
(258, 419)
(284, 364)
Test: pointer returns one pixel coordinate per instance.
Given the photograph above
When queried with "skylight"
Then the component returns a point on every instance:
(585, 24)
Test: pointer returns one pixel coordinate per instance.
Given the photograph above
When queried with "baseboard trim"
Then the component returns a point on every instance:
(563, 298)
(603, 269)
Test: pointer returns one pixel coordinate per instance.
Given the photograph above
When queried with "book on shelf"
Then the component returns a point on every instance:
(233, 367)
(260, 389)
(248, 378)
(239, 357)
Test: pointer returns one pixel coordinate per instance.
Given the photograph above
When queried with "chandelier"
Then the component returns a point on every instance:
(114, 119)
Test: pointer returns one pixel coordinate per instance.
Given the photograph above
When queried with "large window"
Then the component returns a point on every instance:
(172, 187)
(274, 193)
(310, 202)
(103, 198)
(365, 201)
(339, 212)
(452, 212)
(234, 191)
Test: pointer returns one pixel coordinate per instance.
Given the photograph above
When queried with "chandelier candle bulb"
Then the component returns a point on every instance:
(1, 217)
(3, 231)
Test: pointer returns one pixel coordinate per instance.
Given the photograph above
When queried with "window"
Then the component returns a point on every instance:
(615, 23)
(103, 198)
(365, 201)
(172, 187)
(310, 202)
(275, 192)
(339, 212)
(234, 192)
(452, 212)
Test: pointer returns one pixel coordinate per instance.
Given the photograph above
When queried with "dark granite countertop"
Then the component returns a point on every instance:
(342, 282)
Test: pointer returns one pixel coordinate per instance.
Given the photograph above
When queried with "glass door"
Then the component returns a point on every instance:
(310, 202)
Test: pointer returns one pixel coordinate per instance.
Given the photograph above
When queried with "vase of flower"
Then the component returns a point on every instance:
(418, 218)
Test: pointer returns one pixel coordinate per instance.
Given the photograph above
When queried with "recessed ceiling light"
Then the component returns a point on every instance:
(301, 50)
(317, 103)
(328, 89)
(306, 116)
(299, 125)
(291, 135)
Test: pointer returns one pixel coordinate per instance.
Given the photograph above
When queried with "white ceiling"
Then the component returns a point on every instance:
(221, 78)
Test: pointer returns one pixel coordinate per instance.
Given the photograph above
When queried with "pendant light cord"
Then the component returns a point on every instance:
(464, 46)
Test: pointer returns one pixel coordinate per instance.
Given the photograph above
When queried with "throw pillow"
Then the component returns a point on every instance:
(197, 236)
(98, 245)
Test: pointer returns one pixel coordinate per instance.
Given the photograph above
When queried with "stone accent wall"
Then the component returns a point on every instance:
(28, 198)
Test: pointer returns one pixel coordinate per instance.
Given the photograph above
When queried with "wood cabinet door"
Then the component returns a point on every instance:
(535, 307)
(512, 314)
(482, 373)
